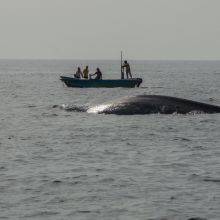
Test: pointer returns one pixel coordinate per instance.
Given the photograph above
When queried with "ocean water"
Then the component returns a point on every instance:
(58, 164)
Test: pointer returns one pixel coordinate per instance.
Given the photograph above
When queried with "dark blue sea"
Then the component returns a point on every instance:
(58, 164)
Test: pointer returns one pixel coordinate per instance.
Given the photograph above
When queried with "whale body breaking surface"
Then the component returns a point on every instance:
(153, 104)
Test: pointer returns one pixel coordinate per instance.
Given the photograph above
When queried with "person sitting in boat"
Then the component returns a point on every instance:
(98, 74)
(86, 72)
(127, 68)
(78, 73)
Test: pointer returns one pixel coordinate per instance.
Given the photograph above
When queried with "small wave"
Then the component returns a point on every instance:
(107, 180)
(2, 168)
(49, 115)
(204, 178)
(80, 176)
(195, 112)
(57, 181)
(197, 218)
(151, 87)
(212, 99)
(181, 139)
(41, 214)
(84, 211)
(209, 179)
(31, 106)
(168, 218)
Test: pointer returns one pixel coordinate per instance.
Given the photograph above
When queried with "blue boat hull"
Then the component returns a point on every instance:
(96, 83)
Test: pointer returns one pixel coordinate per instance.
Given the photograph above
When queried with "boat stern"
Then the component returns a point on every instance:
(139, 81)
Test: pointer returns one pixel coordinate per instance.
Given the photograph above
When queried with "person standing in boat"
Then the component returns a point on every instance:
(98, 74)
(86, 72)
(127, 68)
(78, 73)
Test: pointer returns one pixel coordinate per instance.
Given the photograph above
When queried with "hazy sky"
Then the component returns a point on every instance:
(94, 29)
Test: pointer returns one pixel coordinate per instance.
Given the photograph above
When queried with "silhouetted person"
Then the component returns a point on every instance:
(127, 68)
(78, 73)
(86, 72)
(98, 74)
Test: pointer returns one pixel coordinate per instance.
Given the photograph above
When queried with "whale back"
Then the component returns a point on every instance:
(150, 104)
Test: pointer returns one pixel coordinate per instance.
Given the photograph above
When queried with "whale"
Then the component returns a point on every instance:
(153, 104)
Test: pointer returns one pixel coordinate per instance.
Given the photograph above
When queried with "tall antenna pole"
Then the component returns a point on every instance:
(122, 73)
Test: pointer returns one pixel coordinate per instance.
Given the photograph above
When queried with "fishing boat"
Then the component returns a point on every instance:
(97, 83)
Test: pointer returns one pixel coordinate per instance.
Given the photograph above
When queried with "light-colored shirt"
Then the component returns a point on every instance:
(86, 73)
(78, 74)
(127, 67)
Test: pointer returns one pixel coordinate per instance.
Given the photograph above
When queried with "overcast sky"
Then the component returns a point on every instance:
(99, 29)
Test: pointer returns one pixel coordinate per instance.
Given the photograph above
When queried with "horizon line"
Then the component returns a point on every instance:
(97, 59)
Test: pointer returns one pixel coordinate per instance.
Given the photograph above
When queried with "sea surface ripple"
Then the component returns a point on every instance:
(57, 164)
